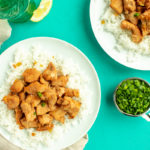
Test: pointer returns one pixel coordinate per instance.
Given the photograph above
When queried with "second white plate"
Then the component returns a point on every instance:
(108, 41)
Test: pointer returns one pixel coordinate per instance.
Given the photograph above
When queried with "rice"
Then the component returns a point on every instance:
(123, 37)
(38, 59)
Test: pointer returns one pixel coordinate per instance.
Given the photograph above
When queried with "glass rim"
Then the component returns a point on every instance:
(19, 14)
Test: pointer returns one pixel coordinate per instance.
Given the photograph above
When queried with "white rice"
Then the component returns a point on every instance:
(123, 37)
(77, 79)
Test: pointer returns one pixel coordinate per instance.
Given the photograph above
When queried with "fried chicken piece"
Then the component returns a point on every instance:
(60, 91)
(145, 19)
(42, 109)
(147, 4)
(61, 81)
(12, 101)
(31, 75)
(34, 88)
(132, 18)
(50, 96)
(18, 115)
(50, 73)
(58, 114)
(71, 92)
(43, 81)
(29, 124)
(17, 86)
(48, 93)
(129, 6)
(22, 96)
(136, 34)
(140, 2)
(117, 6)
(26, 107)
(45, 119)
(28, 111)
(45, 128)
(72, 107)
(33, 100)
(31, 116)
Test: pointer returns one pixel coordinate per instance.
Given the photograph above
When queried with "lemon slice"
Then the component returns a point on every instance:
(42, 11)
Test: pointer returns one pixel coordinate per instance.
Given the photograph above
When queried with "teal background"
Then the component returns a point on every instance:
(69, 20)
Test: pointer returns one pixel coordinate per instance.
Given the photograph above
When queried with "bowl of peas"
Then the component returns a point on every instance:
(132, 97)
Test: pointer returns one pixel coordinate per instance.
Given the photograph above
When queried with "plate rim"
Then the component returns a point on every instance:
(91, 66)
(105, 49)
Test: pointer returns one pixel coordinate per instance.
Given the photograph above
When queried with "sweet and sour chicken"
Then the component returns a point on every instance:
(40, 98)
(137, 17)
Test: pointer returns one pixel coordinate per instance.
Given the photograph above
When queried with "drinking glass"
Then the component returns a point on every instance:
(17, 10)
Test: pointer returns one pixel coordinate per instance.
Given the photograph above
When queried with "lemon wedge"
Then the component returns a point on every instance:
(42, 11)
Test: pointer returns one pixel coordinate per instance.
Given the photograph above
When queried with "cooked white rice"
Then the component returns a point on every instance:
(77, 79)
(123, 37)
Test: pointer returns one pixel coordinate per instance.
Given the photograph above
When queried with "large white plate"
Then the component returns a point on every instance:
(67, 51)
(108, 41)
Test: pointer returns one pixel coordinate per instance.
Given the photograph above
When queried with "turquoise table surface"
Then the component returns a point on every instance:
(69, 20)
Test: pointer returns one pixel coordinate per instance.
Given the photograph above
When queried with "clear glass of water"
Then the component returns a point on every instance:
(17, 10)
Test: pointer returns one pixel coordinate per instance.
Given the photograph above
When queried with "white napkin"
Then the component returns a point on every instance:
(78, 145)
(5, 33)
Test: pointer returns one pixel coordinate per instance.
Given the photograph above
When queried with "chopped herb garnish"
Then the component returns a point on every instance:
(39, 94)
(34, 113)
(133, 96)
(43, 104)
(137, 14)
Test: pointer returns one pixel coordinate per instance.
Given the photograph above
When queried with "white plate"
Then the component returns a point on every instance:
(108, 41)
(66, 50)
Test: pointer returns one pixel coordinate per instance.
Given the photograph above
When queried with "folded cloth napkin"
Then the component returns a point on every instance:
(5, 30)
(5, 33)
(78, 145)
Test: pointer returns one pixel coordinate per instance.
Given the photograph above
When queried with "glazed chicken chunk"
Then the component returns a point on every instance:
(50, 96)
(35, 87)
(147, 4)
(17, 86)
(131, 17)
(71, 92)
(48, 127)
(22, 96)
(42, 109)
(129, 6)
(33, 100)
(71, 106)
(29, 124)
(136, 34)
(50, 73)
(12, 101)
(31, 75)
(60, 91)
(45, 119)
(43, 81)
(141, 2)
(58, 114)
(28, 111)
(18, 115)
(61, 81)
(117, 6)
(145, 19)
(40, 98)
